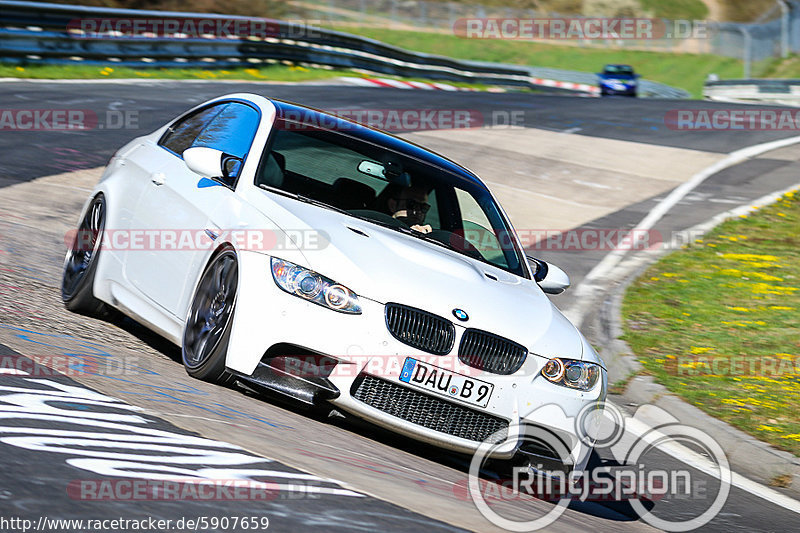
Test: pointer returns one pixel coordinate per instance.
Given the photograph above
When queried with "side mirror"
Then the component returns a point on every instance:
(211, 163)
(550, 278)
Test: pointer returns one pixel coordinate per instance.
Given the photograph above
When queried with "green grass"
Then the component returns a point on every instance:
(676, 9)
(717, 323)
(276, 73)
(78, 71)
(786, 68)
(686, 71)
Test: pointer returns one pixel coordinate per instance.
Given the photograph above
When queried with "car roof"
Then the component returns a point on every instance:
(365, 133)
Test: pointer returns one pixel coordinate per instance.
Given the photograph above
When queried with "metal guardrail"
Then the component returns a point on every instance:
(774, 34)
(778, 91)
(32, 32)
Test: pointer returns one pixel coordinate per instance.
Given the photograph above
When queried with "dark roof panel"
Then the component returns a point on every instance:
(324, 120)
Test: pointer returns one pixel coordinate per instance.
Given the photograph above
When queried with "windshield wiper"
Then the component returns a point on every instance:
(299, 197)
(402, 229)
(428, 238)
(319, 203)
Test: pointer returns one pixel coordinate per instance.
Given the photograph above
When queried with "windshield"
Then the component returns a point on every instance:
(622, 70)
(394, 190)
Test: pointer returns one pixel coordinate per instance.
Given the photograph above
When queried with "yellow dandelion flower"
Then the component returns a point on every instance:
(699, 349)
(749, 257)
(765, 277)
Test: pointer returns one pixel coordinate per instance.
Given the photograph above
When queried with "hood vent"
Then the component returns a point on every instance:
(358, 231)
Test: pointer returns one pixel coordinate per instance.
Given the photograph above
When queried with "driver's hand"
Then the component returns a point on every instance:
(422, 229)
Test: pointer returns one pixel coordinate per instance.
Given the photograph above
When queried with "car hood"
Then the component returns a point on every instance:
(384, 265)
(618, 77)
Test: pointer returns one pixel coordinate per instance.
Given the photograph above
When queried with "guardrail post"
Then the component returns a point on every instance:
(748, 52)
(784, 28)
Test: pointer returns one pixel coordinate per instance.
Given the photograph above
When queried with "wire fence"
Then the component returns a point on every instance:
(774, 34)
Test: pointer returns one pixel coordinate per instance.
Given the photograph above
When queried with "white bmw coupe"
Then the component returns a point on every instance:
(292, 250)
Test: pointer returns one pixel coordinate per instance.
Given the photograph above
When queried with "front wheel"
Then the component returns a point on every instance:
(80, 265)
(208, 325)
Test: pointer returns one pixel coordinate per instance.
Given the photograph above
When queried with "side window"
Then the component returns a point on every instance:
(231, 130)
(432, 218)
(477, 229)
(184, 132)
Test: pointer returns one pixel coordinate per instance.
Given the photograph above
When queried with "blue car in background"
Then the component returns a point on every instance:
(618, 79)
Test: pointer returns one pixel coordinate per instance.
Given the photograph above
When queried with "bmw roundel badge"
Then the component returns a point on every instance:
(460, 314)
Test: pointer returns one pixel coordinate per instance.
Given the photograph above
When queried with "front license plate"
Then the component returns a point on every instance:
(446, 383)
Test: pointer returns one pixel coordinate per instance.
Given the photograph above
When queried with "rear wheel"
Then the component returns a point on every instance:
(208, 326)
(80, 264)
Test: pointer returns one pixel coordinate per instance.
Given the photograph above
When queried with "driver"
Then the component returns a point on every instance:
(409, 205)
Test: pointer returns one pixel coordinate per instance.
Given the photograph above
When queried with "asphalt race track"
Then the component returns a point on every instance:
(331, 474)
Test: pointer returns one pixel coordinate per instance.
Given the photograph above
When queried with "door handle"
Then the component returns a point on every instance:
(158, 178)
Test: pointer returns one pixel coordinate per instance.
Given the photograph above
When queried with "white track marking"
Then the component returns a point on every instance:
(608, 264)
(697, 461)
(528, 191)
(593, 184)
(13, 371)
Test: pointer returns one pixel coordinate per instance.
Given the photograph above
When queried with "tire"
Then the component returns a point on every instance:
(210, 317)
(80, 264)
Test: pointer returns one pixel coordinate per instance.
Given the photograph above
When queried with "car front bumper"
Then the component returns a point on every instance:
(627, 90)
(365, 350)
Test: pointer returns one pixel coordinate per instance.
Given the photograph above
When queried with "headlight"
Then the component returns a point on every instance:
(571, 373)
(314, 287)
